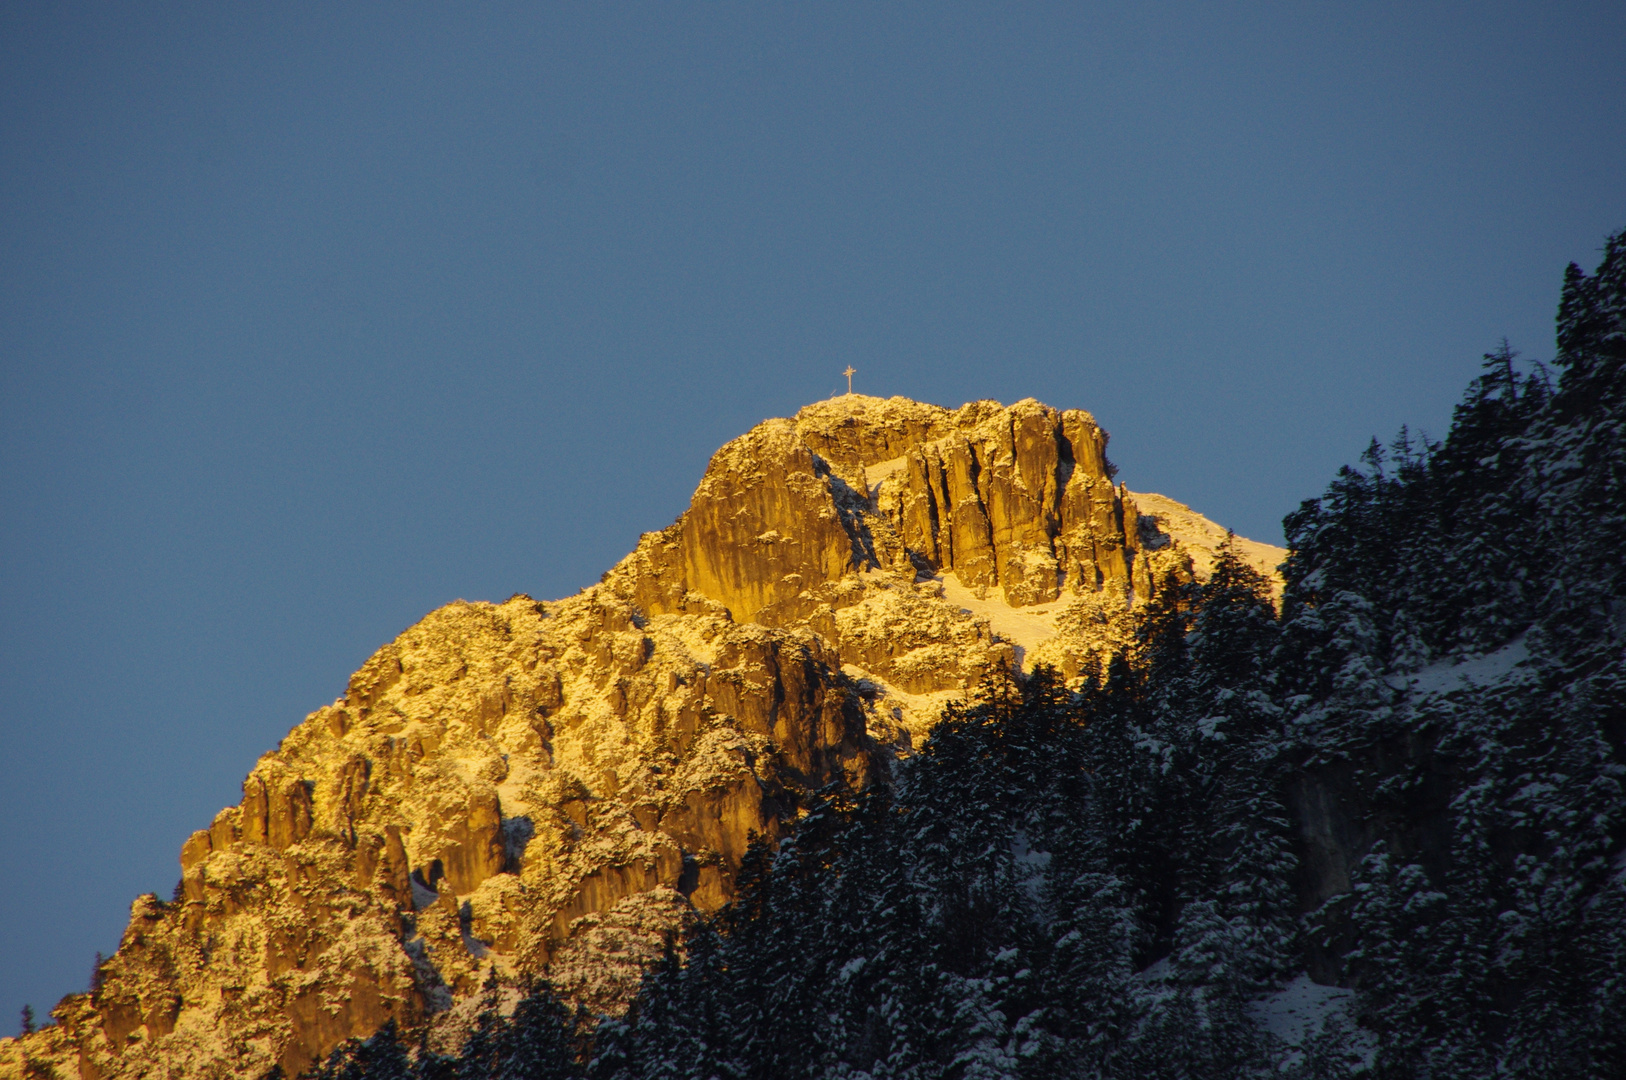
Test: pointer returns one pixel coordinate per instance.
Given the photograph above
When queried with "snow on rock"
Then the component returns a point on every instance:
(1202, 539)
(1025, 627)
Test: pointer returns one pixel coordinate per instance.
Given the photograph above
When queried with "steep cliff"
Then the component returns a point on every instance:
(552, 788)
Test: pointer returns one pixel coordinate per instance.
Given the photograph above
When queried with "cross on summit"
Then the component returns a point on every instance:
(849, 374)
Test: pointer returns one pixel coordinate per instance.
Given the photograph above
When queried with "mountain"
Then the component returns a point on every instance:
(1374, 828)
(559, 788)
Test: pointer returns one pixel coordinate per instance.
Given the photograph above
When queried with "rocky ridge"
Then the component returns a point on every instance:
(551, 788)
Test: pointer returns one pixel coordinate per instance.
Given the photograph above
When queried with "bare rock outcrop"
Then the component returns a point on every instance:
(1017, 498)
(553, 788)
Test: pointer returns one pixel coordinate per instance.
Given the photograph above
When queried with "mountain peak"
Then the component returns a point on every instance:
(554, 788)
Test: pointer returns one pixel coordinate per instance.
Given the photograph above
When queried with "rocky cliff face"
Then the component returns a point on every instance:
(553, 788)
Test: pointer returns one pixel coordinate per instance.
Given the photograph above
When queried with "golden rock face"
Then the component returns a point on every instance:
(1016, 498)
(553, 788)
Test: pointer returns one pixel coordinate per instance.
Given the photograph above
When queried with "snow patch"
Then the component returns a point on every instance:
(1025, 627)
(1298, 1010)
(1447, 676)
(912, 715)
(1155, 972)
(1202, 539)
(422, 895)
(475, 946)
(877, 474)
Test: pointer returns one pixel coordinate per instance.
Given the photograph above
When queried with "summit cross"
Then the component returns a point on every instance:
(849, 374)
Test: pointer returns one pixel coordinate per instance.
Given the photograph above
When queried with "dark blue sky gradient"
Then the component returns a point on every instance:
(313, 318)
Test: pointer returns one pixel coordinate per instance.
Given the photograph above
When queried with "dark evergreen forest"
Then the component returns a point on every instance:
(1380, 832)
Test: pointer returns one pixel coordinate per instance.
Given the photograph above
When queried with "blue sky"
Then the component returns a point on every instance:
(313, 318)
